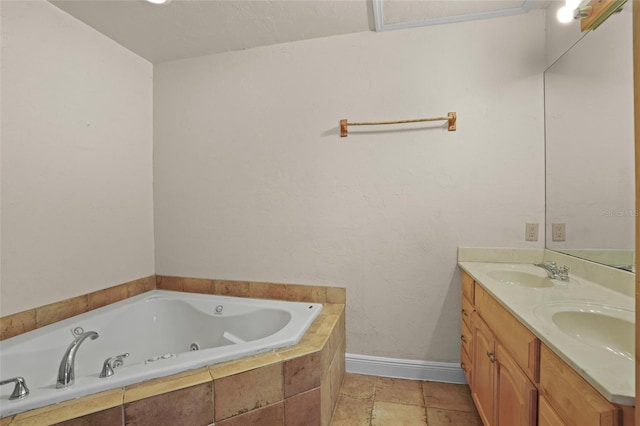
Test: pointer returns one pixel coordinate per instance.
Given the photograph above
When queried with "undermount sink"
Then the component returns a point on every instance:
(605, 327)
(520, 278)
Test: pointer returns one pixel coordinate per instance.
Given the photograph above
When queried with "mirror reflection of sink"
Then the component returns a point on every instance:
(520, 278)
(605, 327)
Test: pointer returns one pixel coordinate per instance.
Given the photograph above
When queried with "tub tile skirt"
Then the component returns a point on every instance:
(296, 385)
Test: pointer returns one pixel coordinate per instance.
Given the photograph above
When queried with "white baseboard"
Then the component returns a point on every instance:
(447, 372)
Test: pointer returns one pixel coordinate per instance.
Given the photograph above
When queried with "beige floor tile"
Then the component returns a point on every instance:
(400, 391)
(448, 396)
(352, 411)
(358, 386)
(438, 417)
(389, 413)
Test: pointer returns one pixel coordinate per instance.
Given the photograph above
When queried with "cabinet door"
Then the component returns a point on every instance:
(483, 369)
(515, 394)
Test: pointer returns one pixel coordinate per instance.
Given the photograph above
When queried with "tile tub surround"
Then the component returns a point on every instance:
(285, 386)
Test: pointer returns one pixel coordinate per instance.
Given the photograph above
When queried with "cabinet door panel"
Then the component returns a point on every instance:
(547, 415)
(516, 395)
(483, 369)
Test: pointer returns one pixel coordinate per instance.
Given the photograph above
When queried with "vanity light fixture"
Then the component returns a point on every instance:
(572, 10)
(590, 13)
(159, 1)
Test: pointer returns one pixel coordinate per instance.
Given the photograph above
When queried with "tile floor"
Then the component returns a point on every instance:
(380, 401)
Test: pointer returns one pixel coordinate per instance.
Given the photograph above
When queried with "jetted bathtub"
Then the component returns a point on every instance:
(163, 332)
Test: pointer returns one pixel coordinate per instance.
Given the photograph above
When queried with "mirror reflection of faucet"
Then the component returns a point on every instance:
(554, 271)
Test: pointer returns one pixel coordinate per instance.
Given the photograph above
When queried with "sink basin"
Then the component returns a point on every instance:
(520, 278)
(605, 327)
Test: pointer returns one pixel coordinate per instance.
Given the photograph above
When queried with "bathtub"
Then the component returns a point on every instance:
(163, 332)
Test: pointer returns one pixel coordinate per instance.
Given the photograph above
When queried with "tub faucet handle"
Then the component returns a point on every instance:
(111, 363)
(20, 390)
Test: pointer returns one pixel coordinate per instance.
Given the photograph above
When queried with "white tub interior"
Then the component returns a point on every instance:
(164, 332)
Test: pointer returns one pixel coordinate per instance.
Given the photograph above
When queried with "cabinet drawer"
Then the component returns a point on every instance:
(467, 310)
(465, 364)
(571, 396)
(523, 345)
(467, 286)
(547, 415)
(465, 337)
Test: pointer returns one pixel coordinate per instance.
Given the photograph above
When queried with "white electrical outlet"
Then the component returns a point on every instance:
(558, 232)
(531, 232)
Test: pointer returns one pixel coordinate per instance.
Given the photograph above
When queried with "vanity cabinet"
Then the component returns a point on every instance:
(516, 380)
(494, 351)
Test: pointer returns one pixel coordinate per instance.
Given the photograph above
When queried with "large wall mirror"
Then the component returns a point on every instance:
(589, 146)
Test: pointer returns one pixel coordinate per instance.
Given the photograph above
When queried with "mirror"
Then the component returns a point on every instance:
(589, 146)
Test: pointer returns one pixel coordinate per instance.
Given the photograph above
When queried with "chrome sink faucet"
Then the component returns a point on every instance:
(554, 271)
(66, 371)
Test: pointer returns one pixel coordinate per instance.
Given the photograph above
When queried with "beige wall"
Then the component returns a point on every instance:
(76, 164)
(253, 182)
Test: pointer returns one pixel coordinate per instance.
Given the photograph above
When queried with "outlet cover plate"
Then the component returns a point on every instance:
(531, 232)
(558, 232)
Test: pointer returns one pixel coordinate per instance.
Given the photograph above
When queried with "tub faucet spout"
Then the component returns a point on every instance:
(66, 371)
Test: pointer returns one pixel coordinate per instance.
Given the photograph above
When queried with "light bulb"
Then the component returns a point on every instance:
(565, 15)
(158, 1)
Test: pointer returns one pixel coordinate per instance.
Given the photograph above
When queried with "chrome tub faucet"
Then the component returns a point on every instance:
(66, 371)
(554, 271)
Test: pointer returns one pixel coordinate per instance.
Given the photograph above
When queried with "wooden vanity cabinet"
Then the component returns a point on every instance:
(516, 380)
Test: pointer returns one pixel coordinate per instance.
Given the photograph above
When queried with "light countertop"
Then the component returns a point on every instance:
(612, 374)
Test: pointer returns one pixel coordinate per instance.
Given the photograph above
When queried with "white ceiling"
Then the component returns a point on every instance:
(188, 28)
